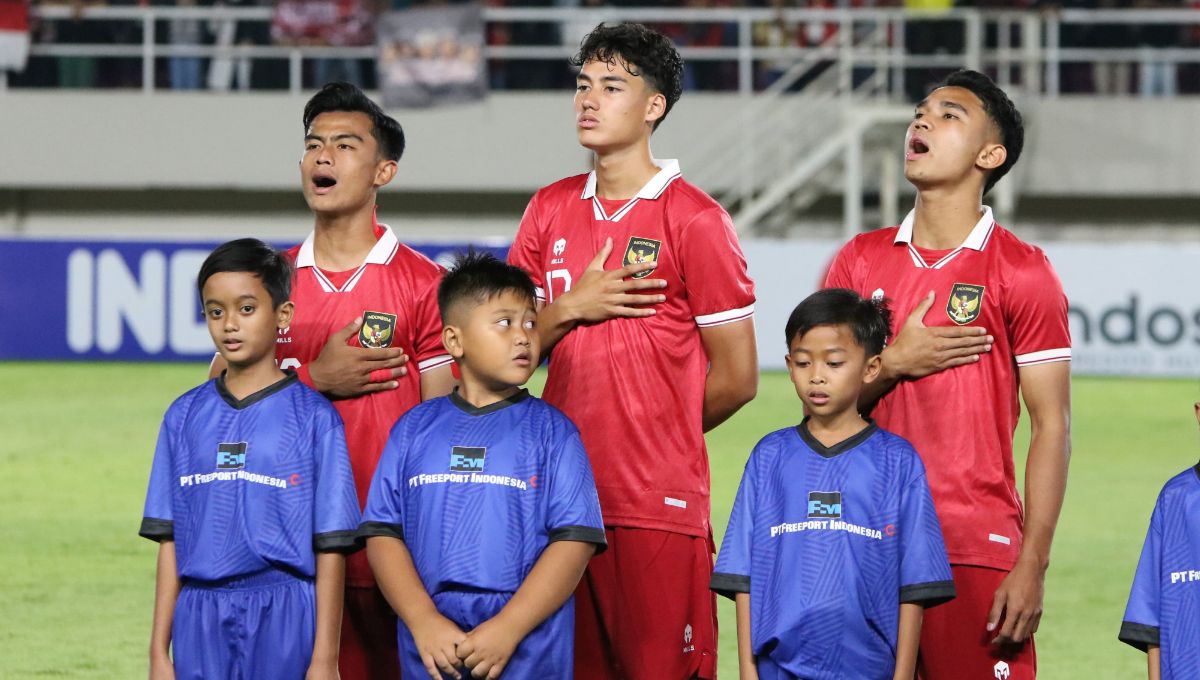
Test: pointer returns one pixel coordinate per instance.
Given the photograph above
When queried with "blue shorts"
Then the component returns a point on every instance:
(547, 652)
(257, 626)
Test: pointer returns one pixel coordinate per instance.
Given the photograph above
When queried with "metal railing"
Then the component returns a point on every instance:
(1027, 50)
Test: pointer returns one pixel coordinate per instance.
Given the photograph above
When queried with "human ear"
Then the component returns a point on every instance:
(452, 341)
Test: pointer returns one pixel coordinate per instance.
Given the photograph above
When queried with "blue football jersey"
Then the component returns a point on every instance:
(1164, 603)
(829, 542)
(477, 494)
(242, 485)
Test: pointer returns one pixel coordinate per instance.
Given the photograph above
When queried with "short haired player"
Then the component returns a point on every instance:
(985, 320)
(648, 321)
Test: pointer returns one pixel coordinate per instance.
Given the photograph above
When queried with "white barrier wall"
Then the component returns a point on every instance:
(1135, 307)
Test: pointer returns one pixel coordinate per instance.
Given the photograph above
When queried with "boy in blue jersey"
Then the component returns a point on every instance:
(251, 498)
(483, 511)
(833, 548)
(1163, 614)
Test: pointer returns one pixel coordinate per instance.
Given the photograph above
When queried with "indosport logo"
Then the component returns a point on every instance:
(1132, 321)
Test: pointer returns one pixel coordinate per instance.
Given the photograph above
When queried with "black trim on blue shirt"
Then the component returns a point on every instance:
(1196, 469)
(157, 529)
(583, 534)
(344, 542)
(367, 529)
(258, 396)
(1138, 635)
(838, 448)
(472, 410)
(729, 585)
(927, 594)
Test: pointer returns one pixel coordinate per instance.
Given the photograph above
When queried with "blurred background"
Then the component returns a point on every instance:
(137, 135)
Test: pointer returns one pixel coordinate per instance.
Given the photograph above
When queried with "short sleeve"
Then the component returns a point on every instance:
(525, 251)
(384, 514)
(336, 514)
(1141, 625)
(731, 575)
(573, 512)
(1037, 314)
(158, 518)
(925, 576)
(714, 270)
(427, 343)
(841, 270)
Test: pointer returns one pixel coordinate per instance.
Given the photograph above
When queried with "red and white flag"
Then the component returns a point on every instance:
(14, 34)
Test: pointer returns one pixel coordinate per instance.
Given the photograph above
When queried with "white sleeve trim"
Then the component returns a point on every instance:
(1045, 356)
(434, 362)
(539, 293)
(727, 316)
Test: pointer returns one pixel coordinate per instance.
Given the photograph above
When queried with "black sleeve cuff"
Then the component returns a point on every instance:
(157, 529)
(729, 585)
(582, 534)
(344, 542)
(368, 529)
(927, 594)
(1138, 635)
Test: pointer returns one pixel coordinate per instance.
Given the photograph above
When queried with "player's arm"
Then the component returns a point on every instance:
(919, 350)
(1047, 392)
(553, 578)
(746, 668)
(331, 582)
(166, 592)
(599, 295)
(908, 640)
(732, 379)
(437, 382)
(1153, 663)
(435, 635)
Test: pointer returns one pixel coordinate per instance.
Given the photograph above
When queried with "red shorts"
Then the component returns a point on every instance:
(955, 641)
(369, 649)
(643, 610)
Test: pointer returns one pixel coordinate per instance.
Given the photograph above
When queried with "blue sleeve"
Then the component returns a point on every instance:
(731, 575)
(384, 514)
(336, 514)
(1140, 626)
(158, 519)
(925, 576)
(573, 508)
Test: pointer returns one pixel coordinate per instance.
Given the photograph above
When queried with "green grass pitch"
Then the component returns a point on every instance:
(76, 441)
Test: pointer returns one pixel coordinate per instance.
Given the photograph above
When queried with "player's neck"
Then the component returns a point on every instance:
(244, 380)
(945, 217)
(342, 241)
(622, 173)
(834, 428)
(480, 394)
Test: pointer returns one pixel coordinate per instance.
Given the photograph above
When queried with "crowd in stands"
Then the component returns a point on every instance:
(349, 23)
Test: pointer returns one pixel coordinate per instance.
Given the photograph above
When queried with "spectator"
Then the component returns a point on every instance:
(185, 32)
(1157, 77)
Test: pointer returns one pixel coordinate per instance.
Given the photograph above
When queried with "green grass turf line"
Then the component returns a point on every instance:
(76, 441)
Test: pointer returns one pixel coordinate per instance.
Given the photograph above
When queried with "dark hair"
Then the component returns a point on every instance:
(254, 257)
(480, 276)
(1001, 110)
(642, 51)
(346, 97)
(869, 320)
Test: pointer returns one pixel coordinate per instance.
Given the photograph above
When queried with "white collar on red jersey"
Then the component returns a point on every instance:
(668, 172)
(976, 240)
(381, 252)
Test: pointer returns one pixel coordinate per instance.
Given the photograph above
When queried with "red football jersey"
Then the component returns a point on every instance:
(395, 291)
(961, 420)
(635, 387)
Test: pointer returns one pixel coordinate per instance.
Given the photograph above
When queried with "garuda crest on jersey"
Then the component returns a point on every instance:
(641, 250)
(964, 303)
(377, 330)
